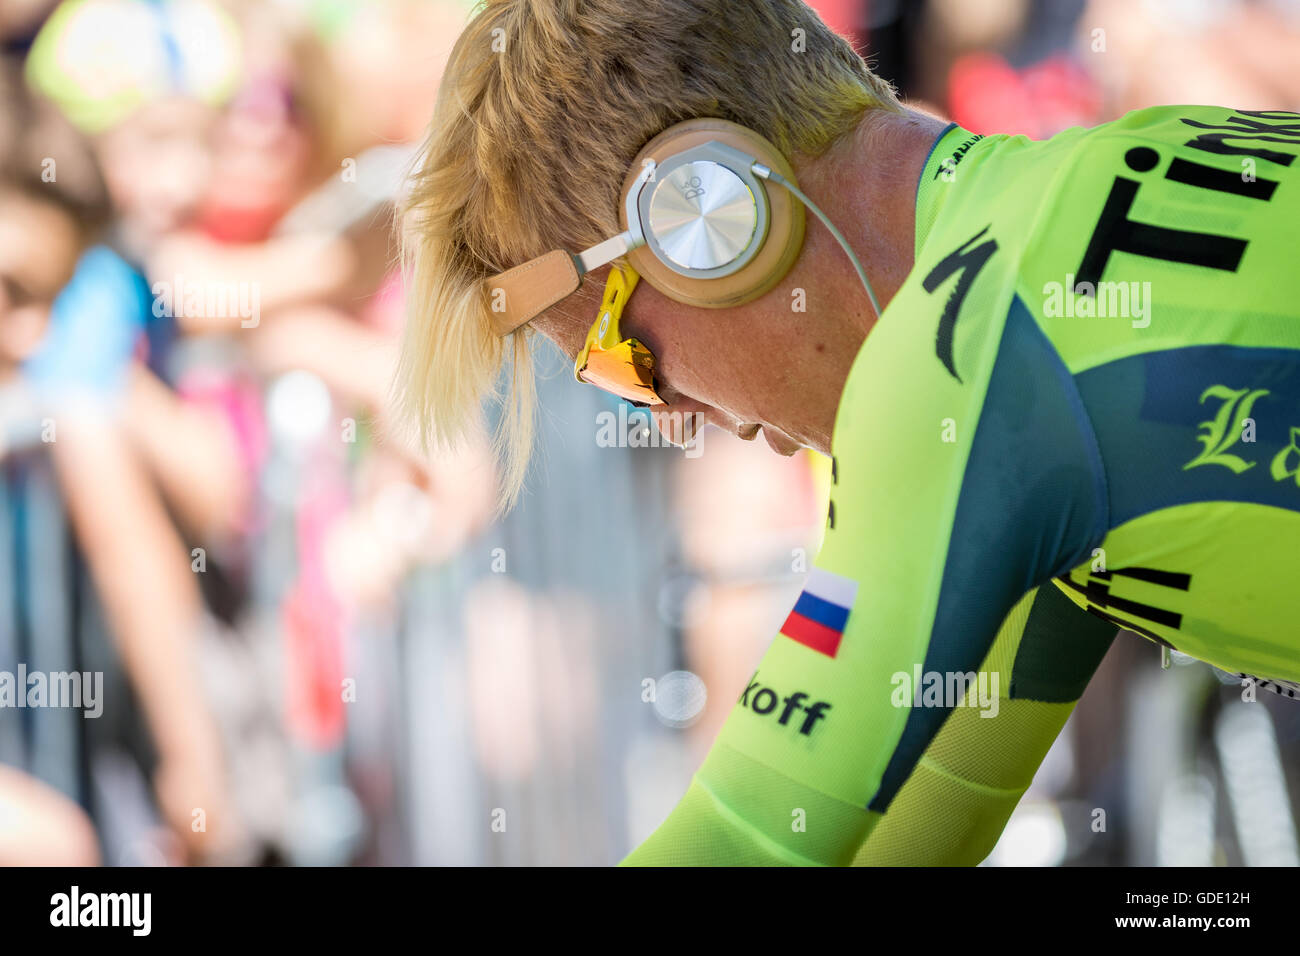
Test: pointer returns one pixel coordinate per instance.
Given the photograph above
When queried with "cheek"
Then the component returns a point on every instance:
(710, 362)
(21, 331)
(121, 182)
(183, 171)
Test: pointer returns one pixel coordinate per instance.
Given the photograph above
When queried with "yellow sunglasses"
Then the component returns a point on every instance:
(622, 367)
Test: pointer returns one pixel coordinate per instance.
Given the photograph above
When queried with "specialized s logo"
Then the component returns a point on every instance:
(968, 259)
(764, 700)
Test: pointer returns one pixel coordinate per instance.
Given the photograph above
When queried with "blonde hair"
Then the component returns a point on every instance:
(543, 106)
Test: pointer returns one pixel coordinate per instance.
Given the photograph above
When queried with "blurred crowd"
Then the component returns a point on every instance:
(201, 487)
(317, 644)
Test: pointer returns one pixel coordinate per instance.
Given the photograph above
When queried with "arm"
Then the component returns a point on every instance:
(270, 275)
(952, 498)
(135, 557)
(40, 826)
(190, 453)
(953, 807)
(152, 603)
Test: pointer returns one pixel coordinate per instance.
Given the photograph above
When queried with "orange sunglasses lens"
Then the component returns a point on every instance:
(626, 370)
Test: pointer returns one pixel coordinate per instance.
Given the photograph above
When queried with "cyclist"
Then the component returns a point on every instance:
(1054, 378)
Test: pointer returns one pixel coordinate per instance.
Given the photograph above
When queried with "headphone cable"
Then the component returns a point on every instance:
(764, 172)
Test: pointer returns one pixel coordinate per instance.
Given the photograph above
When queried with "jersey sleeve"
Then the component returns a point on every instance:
(965, 474)
(954, 806)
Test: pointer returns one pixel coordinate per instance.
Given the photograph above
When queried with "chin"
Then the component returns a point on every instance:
(780, 442)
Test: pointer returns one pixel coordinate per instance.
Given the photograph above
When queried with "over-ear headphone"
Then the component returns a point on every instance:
(702, 222)
(715, 234)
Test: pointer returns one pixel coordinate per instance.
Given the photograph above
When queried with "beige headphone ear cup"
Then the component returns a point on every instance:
(785, 224)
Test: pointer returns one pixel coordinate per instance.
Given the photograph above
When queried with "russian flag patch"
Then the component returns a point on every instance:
(822, 611)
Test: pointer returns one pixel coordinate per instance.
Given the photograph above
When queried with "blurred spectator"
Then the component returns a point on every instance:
(146, 100)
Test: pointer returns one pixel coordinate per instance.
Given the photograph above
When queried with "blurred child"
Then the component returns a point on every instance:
(142, 79)
(39, 244)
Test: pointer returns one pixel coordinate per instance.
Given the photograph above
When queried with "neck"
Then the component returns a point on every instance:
(866, 184)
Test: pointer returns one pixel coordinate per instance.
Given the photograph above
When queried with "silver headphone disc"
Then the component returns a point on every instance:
(702, 215)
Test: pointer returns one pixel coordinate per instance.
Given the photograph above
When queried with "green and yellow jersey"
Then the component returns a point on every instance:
(1085, 397)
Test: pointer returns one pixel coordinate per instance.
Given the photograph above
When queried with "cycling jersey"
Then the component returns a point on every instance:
(1088, 386)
